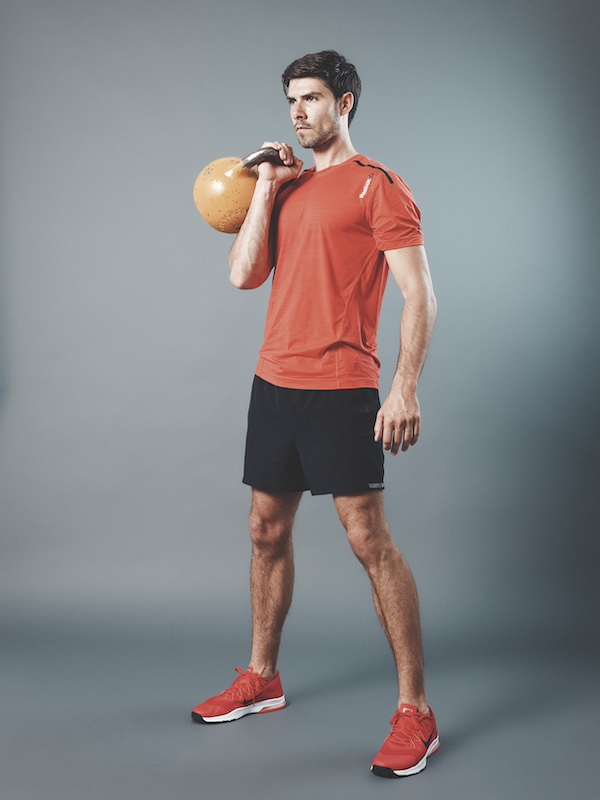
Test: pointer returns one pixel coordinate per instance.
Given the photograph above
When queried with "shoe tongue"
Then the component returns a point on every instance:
(405, 708)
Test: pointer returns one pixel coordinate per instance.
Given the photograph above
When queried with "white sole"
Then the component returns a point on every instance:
(419, 767)
(273, 704)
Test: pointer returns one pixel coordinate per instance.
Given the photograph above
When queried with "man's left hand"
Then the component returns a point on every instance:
(398, 423)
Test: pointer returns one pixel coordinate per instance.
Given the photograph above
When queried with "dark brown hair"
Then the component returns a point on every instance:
(332, 68)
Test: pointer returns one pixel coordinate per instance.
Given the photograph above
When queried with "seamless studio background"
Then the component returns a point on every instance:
(125, 365)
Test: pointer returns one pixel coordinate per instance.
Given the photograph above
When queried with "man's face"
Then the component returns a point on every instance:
(314, 112)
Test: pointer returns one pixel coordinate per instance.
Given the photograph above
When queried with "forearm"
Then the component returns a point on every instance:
(250, 259)
(416, 328)
(398, 421)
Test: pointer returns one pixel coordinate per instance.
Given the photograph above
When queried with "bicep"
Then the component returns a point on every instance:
(410, 269)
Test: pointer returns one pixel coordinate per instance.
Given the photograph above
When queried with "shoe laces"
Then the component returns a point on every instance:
(407, 728)
(246, 686)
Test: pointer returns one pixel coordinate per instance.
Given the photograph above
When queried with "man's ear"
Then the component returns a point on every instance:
(346, 103)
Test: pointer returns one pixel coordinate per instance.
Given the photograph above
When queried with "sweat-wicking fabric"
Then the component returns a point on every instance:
(330, 231)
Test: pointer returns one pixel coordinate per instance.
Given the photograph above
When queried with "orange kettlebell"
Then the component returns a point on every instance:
(223, 190)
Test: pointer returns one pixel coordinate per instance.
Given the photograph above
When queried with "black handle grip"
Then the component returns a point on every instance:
(264, 154)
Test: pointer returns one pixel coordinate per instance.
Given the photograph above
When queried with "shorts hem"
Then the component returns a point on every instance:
(270, 489)
(348, 492)
(315, 492)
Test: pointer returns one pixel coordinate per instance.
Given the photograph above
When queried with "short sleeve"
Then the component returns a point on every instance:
(392, 212)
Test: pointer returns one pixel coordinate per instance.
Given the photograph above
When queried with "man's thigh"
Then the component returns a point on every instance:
(274, 508)
(363, 517)
(335, 439)
(271, 461)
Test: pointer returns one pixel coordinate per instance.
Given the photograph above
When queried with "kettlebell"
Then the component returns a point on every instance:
(223, 190)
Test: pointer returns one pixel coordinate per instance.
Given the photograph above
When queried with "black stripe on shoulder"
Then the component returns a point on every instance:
(372, 166)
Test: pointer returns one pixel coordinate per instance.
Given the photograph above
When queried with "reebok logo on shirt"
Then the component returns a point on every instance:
(366, 186)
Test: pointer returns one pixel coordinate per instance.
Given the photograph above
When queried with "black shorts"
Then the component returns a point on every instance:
(320, 440)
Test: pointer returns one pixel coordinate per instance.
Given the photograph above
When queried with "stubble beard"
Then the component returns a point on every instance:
(315, 140)
(308, 139)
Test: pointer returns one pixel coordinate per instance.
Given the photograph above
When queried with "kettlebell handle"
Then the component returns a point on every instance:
(264, 154)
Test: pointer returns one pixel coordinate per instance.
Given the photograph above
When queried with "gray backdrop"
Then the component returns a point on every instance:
(126, 360)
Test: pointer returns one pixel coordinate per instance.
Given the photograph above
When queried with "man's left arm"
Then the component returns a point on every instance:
(399, 419)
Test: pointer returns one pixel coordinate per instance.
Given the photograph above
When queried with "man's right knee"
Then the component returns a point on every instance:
(268, 534)
(271, 520)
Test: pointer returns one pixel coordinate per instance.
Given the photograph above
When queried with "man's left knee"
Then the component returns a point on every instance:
(364, 520)
(370, 544)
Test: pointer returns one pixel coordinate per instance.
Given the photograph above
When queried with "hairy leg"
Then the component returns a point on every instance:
(393, 586)
(271, 574)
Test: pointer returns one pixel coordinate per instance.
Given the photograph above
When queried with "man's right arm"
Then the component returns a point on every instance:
(250, 260)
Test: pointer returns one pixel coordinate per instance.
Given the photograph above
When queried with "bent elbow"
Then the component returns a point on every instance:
(237, 275)
(245, 280)
(236, 279)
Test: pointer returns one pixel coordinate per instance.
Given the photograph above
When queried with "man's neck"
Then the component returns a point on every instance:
(335, 153)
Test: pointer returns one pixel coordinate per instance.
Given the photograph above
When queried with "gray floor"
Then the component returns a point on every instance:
(100, 709)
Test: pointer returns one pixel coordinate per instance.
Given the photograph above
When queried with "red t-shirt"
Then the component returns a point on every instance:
(331, 229)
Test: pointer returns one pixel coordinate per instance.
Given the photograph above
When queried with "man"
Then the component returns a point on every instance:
(331, 233)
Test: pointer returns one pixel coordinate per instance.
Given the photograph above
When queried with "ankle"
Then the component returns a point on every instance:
(419, 702)
(266, 671)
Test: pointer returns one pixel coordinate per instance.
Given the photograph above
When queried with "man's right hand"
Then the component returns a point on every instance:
(251, 260)
(290, 169)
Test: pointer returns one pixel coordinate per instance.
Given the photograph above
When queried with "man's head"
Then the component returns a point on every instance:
(332, 68)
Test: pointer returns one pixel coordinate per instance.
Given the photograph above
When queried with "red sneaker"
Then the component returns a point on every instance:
(248, 694)
(412, 739)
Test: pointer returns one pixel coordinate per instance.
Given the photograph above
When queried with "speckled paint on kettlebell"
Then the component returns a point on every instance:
(223, 190)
